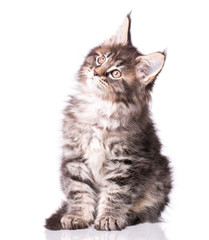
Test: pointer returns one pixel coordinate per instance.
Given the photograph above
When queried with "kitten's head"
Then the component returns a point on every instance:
(117, 71)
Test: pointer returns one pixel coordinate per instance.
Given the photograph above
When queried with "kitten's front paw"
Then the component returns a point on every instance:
(73, 222)
(109, 223)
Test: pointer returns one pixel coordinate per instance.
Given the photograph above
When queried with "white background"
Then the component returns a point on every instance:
(42, 44)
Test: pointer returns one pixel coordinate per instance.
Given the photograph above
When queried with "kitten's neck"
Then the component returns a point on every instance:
(91, 109)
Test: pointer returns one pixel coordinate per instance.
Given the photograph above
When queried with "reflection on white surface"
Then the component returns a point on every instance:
(145, 231)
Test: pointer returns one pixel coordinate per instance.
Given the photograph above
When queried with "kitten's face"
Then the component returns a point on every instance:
(110, 72)
(117, 71)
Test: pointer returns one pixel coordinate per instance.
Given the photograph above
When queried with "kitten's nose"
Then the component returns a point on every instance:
(96, 73)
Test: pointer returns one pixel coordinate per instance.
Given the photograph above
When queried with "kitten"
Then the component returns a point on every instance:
(112, 171)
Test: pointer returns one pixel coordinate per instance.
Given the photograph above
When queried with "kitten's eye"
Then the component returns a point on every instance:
(116, 74)
(101, 60)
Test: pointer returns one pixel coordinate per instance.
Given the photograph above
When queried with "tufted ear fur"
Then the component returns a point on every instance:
(149, 66)
(123, 35)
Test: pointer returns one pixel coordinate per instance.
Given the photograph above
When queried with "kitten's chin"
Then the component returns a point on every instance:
(97, 86)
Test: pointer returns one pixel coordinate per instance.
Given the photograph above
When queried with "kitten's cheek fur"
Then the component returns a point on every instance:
(89, 83)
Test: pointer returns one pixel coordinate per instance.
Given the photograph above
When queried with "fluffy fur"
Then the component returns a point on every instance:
(112, 173)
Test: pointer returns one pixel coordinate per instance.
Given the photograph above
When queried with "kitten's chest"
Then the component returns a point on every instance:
(94, 151)
(96, 122)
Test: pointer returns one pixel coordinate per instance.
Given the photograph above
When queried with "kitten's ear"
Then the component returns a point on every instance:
(123, 35)
(149, 66)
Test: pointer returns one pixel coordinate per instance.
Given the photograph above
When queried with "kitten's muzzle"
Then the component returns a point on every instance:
(96, 74)
(101, 78)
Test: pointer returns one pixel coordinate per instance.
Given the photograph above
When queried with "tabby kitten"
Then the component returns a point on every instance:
(112, 171)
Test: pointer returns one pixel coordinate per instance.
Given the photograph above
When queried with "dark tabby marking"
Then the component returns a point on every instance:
(112, 173)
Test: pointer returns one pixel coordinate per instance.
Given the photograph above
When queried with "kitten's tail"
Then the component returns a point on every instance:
(54, 222)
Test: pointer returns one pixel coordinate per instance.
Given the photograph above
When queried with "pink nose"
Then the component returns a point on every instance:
(96, 73)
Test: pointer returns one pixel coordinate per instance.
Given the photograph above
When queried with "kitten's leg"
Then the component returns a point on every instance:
(116, 197)
(80, 191)
(142, 212)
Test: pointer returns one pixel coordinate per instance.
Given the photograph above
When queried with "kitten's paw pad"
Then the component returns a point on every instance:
(73, 222)
(109, 223)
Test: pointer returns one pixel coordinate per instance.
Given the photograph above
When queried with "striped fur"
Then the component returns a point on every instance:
(112, 173)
